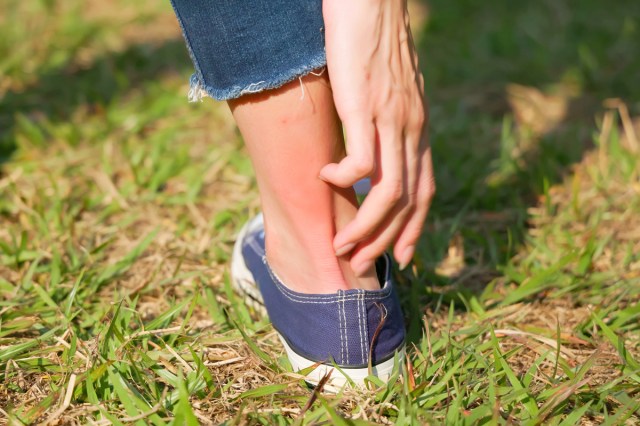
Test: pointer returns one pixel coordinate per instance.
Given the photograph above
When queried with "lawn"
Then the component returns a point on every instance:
(119, 203)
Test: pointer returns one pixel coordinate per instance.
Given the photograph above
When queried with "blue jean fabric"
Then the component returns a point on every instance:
(246, 46)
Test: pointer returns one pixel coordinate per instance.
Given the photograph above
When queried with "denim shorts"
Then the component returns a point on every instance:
(247, 46)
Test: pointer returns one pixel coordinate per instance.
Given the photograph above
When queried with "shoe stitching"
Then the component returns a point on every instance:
(257, 247)
(365, 340)
(333, 300)
(359, 319)
(365, 331)
(342, 361)
(384, 292)
(295, 297)
(361, 324)
(341, 298)
(346, 332)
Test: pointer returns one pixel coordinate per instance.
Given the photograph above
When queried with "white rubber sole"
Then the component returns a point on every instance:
(244, 284)
(241, 277)
(338, 378)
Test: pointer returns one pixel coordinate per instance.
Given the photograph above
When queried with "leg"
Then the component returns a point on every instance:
(289, 140)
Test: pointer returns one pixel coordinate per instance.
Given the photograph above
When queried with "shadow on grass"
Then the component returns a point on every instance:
(56, 95)
(515, 89)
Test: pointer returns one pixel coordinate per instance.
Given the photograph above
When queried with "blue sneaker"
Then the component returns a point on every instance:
(351, 328)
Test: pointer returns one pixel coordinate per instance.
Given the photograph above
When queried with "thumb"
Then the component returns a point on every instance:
(360, 159)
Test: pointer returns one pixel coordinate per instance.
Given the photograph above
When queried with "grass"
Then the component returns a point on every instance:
(119, 203)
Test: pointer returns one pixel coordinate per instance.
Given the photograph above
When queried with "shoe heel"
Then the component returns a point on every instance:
(339, 379)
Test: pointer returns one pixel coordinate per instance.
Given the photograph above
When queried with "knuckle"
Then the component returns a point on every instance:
(418, 119)
(430, 192)
(415, 127)
(419, 110)
(394, 192)
(421, 116)
(413, 197)
(389, 119)
(395, 111)
(402, 112)
(425, 194)
(363, 166)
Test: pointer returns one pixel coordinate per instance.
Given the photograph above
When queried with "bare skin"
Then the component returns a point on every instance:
(379, 96)
(289, 141)
(318, 240)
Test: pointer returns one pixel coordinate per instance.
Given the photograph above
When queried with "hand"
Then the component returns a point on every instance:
(378, 91)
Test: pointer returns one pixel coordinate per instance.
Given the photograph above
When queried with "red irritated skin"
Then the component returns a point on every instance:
(378, 92)
(290, 138)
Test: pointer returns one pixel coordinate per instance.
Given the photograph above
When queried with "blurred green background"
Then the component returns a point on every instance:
(119, 202)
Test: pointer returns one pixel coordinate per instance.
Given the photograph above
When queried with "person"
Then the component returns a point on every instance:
(297, 75)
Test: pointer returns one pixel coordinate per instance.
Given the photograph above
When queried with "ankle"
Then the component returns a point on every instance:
(312, 266)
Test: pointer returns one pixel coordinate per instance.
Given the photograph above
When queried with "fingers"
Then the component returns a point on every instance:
(371, 248)
(405, 222)
(405, 245)
(404, 226)
(424, 190)
(388, 189)
(360, 160)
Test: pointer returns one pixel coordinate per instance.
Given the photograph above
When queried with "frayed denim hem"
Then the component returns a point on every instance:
(199, 90)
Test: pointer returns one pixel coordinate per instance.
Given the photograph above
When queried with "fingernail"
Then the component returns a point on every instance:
(345, 249)
(407, 256)
(322, 178)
